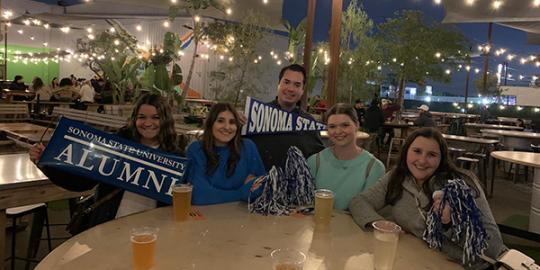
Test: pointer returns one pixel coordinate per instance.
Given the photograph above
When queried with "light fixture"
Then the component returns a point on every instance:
(138, 27)
(497, 4)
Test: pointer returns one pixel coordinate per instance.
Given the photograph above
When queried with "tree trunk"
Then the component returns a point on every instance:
(239, 88)
(401, 97)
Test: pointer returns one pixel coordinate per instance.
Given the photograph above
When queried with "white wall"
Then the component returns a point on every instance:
(525, 96)
(152, 33)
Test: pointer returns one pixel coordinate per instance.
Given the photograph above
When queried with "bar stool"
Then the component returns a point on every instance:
(455, 153)
(398, 142)
(471, 164)
(39, 219)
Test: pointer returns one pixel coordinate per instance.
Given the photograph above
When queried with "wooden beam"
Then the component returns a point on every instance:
(335, 38)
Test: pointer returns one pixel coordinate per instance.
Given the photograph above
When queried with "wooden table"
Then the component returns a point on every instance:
(402, 126)
(532, 160)
(228, 237)
(476, 145)
(26, 133)
(512, 139)
(475, 127)
(22, 183)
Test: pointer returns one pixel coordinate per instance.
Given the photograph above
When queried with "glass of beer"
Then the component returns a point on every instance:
(386, 236)
(143, 243)
(324, 205)
(181, 201)
(288, 259)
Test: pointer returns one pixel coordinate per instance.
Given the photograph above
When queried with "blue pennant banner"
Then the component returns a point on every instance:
(85, 151)
(263, 118)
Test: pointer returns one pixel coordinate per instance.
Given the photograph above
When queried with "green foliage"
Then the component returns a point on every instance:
(409, 47)
(237, 42)
(156, 76)
(113, 56)
(359, 55)
(493, 89)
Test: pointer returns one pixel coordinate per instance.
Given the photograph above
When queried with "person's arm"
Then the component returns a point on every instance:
(203, 191)
(257, 169)
(365, 205)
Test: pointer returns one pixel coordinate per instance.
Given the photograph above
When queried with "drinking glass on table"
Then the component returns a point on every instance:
(182, 201)
(324, 205)
(143, 243)
(386, 236)
(288, 259)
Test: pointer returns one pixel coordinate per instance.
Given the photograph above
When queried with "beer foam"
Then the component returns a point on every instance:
(324, 194)
(143, 238)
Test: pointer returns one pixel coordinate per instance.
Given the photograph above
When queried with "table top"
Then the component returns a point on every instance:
(27, 132)
(491, 126)
(396, 124)
(359, 135)
(523, 158)
(469, 139)
(512, 133)
(16, 170)
(228, 237)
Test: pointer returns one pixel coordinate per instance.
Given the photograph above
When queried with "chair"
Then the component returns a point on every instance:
(398, 142)
(39, 219)
(456, 152)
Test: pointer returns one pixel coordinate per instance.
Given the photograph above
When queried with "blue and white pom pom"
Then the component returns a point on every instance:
(466, 221)
(301, 187)
(284, 191)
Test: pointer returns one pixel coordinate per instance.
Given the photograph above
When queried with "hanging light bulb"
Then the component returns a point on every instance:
(497, 4)
(65, 29)
(138, 27)
(437, 2)
(166, 24)
(228, 11)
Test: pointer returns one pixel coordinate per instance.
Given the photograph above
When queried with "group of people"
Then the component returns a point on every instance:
(68, 89)
(226, 167)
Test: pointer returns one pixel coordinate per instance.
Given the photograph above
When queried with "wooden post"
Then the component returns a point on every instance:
(335, 38)
(486, 58)
(307, 46)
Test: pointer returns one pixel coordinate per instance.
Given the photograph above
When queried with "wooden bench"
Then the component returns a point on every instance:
(14, 112)
(102, 121)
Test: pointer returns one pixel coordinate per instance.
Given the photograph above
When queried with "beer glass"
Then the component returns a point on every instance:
(386, 236)
(288, 259)
(143, 243)
(324, 205)
(181, 201)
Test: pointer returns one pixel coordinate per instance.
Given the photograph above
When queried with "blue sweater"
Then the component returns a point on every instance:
(218, 188)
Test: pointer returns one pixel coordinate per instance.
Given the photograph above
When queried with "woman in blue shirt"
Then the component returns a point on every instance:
(223, 167)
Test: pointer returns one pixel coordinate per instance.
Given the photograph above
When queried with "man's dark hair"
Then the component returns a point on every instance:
(296, 68)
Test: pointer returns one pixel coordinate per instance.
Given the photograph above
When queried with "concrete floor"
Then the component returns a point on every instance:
(510, 204)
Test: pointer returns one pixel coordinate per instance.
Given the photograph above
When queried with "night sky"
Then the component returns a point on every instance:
(514, 41)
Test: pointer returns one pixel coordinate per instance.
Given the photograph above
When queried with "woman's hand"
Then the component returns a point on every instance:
(35, 152)
(446, 213)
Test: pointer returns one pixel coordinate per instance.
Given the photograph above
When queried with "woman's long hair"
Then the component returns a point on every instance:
(446, 170)
(167, 133)
(208, 140)
(37, 84)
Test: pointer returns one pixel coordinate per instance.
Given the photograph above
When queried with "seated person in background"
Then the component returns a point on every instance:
(388, 110)
(360, 111)
(423, 167)
(87, 92)
(54, 83)
(424, 117)
(150, 124)
(17, 83)
(42, 92)
(344, 167)
(65, 92)
(374, 120)
(223, 166)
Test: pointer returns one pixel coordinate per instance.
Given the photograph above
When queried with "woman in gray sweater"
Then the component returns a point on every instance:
(424, 167)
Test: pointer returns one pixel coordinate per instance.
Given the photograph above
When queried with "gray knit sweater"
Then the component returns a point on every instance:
(410, 210)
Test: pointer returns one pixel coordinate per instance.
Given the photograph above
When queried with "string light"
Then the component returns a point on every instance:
(497, 4)
(536, 3)
(138, 27)
(469, 2)
(65, 29)
(197, 18)
(437, 2)
(228, 11)
(265, 2)
(112, 30)
(46, 26)
(166, 24)
(89, 30)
